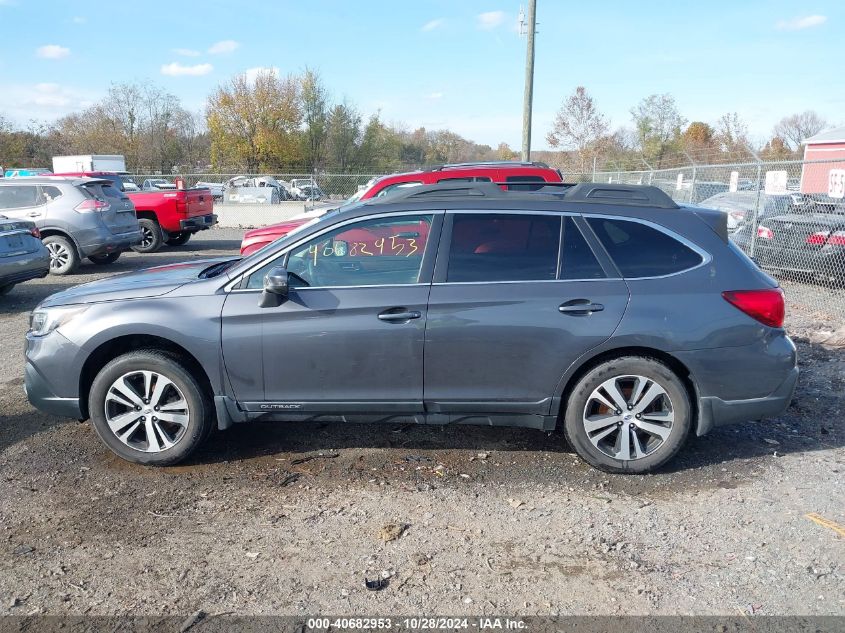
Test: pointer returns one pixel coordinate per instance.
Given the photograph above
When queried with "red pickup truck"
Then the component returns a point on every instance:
(169, 216)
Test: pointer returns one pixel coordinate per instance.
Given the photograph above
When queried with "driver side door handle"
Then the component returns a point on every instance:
(580, 307)
(405, 315)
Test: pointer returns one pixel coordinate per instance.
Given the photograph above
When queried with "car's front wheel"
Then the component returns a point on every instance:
(628, 415)
(149, 408)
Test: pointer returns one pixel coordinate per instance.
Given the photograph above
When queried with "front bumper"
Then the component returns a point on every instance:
(51, 374)
(199, 223)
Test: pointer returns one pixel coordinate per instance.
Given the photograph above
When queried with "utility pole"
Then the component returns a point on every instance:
(528, 97)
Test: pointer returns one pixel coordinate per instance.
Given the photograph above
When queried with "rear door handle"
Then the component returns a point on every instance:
(399, 316)
(580, 307)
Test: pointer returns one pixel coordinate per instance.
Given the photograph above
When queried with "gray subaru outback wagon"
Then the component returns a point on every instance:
(605, 309)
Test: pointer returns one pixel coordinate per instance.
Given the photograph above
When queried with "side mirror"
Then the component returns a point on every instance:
(275, 287)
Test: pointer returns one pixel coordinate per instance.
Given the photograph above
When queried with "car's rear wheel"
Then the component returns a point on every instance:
(103, 260)
(63, 256)
(178, 239)
(151, 237)
(628, 415)
(149, 408)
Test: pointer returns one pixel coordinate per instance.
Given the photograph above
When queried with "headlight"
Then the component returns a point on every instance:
(45, 320)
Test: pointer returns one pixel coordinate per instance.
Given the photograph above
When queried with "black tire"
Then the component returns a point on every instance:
(178, 239)
(657, 451)
(151, 236)
(64, 258)
(103, 260)
(199, 409)
(4, 290)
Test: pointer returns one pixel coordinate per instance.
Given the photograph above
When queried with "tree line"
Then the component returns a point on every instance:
(661, 137)
(267, 122)
(260, 123)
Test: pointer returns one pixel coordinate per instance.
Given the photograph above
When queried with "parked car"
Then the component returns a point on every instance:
(22, 255)
(256, 190)
(157, 184)
(810, 242)
(740, 205)
(216, 188)
(607, 310)
(510, 174)
(310, 192)
(165, 217)
(77, 218)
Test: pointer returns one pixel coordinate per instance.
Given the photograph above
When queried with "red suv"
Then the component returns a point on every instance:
(508, 174)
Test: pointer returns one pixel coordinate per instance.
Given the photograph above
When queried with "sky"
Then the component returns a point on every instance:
(438, 63)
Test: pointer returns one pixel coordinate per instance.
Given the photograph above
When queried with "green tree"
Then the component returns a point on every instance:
(343, 136)
(578, 127)
(315, 117)
(658, 126)
(254, 123)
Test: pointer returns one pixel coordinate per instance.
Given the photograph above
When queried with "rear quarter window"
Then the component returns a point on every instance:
(639, 250)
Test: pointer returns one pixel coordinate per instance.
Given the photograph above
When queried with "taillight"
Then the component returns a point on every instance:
(35, 232)
(767, 306)
(765, 232)
(818, 238)
(92, 205)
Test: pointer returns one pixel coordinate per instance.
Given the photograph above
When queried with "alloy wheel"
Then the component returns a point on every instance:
(147, 237)
(146, 411)
(628, 417)
(59, 255)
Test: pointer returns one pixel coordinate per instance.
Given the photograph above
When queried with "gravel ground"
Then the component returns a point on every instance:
(462, 520)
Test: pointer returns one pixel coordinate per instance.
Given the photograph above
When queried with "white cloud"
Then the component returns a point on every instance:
(186, 52)
(224, 46)
(432, 25)
(252, 73)
(434, 96)
(175, 69)
(52, 51)
(490, 20)
(796, 24)
(79, 19)
(44, 101)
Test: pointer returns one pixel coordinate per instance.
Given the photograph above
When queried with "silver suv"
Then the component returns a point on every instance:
(77, 217)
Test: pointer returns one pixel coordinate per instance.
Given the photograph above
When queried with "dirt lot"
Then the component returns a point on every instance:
(487, 520)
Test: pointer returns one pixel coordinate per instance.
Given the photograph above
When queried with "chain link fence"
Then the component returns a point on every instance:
(779, 213)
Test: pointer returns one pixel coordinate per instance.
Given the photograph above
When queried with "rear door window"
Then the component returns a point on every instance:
(639, 250)
(50, 193)
(491, 247)
(18, 196)
(578, 260)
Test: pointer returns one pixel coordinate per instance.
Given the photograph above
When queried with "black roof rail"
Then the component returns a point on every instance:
(629, 195)
(590, 192)
(487, 163)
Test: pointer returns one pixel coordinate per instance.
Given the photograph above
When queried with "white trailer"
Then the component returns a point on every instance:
(89, 162)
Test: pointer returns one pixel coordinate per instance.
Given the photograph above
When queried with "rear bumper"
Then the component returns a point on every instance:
(714, 411)
(105, 242)
(199, 223)
(20, 268)
(737, 384)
